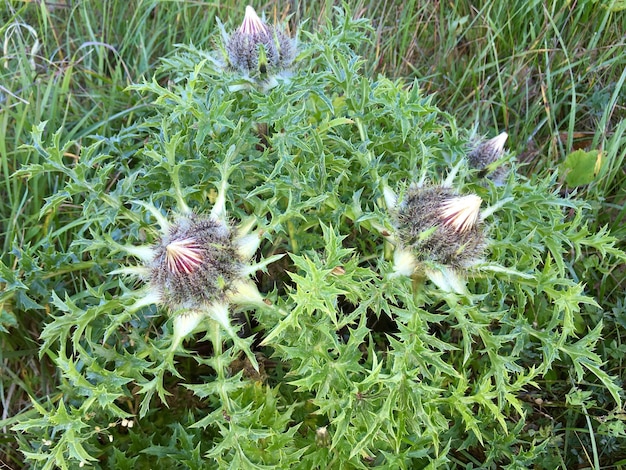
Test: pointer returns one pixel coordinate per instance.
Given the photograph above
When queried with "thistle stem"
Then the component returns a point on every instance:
(180, 200)
(220, 367)
(292, 237)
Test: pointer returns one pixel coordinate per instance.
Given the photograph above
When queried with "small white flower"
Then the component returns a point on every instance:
(322, 436)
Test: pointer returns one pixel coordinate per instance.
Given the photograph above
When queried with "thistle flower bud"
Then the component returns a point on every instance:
(436, 224)
(487, 152)
(256, 48)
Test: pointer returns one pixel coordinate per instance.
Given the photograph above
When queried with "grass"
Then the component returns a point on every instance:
(552, 76)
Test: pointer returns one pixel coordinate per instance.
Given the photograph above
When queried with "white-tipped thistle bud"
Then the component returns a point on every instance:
(486, 153)
(391, 198)
(256, 48)
(404, 262)
(184, 324)
(438, 225)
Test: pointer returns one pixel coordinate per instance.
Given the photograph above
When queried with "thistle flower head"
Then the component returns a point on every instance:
(258, 49)
(198, 266)
(437, 233)
(195, 263)
(437, 225)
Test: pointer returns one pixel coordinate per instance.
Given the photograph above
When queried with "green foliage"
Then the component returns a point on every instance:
(581, 167)
(355, 367)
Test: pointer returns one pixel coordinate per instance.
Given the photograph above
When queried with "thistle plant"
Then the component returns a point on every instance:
(304, 343)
